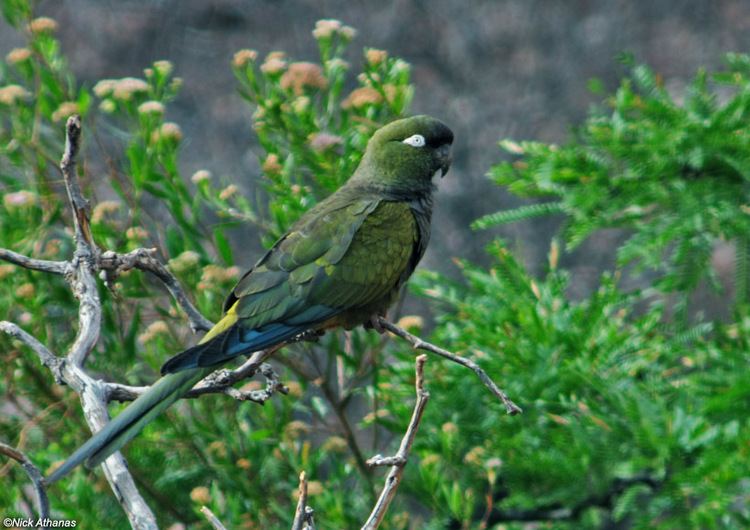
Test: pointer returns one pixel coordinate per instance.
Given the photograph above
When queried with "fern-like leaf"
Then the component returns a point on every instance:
(517, 214)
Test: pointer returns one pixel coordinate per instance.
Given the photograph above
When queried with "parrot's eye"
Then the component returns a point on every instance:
(415, 140)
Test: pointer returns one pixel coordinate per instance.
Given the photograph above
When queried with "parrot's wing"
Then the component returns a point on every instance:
(381, 256)
(272, 302)
(279, 286)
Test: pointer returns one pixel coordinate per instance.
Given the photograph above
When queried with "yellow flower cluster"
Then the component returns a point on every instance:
(200, 495)
(151, 107)
(136, 233)
(18, 55)
(154, 330)
(120, 89)
(271, 164)
(213, 276)
(327, 28)
(295, 428)
(322, 141)
(274, 63)
(169, 131)
(42, 25)
(228, 192)
(6, 270)
(66, 109)
(375, 56)
(359, 97)
(11, 94)
(185, 262)
(103, 209)
(19, 199)
(301, 75)
(201, 175)
(244, 57)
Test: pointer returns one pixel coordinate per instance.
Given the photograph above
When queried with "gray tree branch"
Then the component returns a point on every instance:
(420, 344)
(143, 259)
(303, 515)
(398, 461)
(43, 265)
(36, 477)
(212, 519)
(82, 281)
(219, 382)
(49, 359)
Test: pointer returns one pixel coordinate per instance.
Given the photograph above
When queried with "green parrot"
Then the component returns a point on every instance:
(341, 264)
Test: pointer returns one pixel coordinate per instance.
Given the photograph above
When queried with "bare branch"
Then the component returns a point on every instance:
(43, 265)
(42, 502)
(212, 519)
(82, 281)
(299, 513)
(398, 461)
(143, 259)
(420, 344)
(79, 206)
(309, 520)
(82, 276)
(81, 272)
(216, 383)
(49, 359)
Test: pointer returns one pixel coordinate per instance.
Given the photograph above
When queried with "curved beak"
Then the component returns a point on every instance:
(444, 156)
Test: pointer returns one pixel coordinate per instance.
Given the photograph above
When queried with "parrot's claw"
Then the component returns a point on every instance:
(311, 335)
(374, 323)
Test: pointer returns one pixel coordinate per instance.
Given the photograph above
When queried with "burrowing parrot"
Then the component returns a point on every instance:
(341, 264)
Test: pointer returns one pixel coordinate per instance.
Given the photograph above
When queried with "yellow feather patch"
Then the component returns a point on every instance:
(222, 325)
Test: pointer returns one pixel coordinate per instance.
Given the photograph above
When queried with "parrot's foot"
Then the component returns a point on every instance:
(311, 335)
(374, 323)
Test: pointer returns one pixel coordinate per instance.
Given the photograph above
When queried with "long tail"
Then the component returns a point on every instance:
(131, 421)
(222, 343)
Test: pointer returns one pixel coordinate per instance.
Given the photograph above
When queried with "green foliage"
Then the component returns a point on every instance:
(624, 421)
(673, 170)
(634, 417)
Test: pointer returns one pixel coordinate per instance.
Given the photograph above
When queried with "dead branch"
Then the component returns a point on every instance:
(82, 281)
(143, 259)
(216, 383)
(398, 461)
(303, 515)
(49, 359)
(420, 344)
(42, 502)
(43, 265)
(212, 519)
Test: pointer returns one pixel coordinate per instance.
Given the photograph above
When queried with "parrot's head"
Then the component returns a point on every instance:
(406, 154)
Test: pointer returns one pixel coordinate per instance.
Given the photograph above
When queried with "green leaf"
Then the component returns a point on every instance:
(521, 213)
(223, 246)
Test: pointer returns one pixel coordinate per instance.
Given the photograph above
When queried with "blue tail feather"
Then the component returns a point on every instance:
(229, 344)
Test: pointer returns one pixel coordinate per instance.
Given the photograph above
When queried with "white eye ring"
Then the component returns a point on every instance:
(415, 140)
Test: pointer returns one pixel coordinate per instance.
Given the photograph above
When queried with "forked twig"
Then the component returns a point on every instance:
(420, 344)
(303, 515)
(42, 502)
(398, 461)
(212, 519)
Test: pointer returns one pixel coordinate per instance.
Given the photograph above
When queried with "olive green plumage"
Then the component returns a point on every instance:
(342, 263)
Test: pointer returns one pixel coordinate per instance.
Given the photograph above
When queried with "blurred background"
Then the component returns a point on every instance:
(491, 70)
